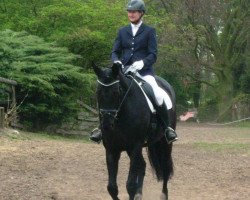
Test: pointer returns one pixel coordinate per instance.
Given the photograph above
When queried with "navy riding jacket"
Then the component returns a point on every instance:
(143, 46)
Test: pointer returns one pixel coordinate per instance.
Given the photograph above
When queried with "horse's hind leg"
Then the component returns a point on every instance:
(112, 159)
(136, 174)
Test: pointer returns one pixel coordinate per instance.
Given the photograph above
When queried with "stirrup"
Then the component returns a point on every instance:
(173, 138)
(171, 141)
(95, 129)
(96, 135)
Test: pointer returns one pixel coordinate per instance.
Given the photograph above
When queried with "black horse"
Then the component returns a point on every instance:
(126, 123)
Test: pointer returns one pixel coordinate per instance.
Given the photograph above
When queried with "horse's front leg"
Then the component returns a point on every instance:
(112, 159)
(164, 195)
(136, 174)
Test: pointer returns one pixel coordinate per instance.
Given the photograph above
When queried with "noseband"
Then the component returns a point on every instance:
(113, 112)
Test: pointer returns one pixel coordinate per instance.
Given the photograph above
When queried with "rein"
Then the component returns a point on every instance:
(115, 111)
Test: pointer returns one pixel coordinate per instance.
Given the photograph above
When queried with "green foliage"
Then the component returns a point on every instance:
(208, 111)
(87, 28)
(87, 43)
(203, 46)
(244, 78)
(207, 43)
(47, 81)
(242, 98)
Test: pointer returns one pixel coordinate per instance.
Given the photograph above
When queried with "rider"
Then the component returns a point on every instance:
(136, 48)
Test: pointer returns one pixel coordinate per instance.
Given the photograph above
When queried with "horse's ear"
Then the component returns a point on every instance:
(118, 74)
(116, 68)
(97, 70)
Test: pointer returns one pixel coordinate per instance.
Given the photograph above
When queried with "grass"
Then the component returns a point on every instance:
(243, 124)
(48, 136)
(223, 146)
(43, 136)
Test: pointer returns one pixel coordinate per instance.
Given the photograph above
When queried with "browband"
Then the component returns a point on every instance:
(107, 85)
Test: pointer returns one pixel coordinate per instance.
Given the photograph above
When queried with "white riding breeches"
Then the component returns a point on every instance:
(159, 93)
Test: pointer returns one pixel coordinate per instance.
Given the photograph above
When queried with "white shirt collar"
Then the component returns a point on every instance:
(136, 25)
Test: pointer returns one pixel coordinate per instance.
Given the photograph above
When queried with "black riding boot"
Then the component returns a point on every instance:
(163, 112)
(96, 135)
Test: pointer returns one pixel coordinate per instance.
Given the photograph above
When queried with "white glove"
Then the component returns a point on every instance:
(118, 62)
(136, 66)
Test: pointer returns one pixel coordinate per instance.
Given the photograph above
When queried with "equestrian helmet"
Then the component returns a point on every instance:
(138, 5)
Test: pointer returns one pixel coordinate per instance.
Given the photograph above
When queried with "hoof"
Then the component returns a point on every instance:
(164, 197)
(138, 197)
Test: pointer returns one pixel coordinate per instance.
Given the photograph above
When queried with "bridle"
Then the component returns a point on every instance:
(114, 112)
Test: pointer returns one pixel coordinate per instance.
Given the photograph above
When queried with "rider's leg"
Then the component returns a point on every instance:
(164, 105)
(163, 112)
(96, 135)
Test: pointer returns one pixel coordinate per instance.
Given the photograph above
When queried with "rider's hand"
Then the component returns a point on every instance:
(118, 62)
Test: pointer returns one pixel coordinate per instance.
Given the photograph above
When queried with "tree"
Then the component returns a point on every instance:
(226, 37)
(87, 28)
(48, 84)
(211, 37)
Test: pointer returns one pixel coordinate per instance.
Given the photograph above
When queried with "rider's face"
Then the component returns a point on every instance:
(134, 16)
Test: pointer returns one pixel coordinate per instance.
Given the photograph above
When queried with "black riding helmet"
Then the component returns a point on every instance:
(138, 5)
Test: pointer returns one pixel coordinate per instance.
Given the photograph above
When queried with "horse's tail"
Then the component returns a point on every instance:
(160, 158)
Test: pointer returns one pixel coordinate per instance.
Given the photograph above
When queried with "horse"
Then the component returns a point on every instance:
(126, 123)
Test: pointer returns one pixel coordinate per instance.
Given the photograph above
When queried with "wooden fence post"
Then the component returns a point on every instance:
(1, 117)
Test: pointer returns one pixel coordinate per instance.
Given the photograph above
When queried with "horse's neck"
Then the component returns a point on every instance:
(135, 96)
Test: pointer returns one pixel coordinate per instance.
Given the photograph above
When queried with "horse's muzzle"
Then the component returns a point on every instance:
(108, 118)
(108, 125)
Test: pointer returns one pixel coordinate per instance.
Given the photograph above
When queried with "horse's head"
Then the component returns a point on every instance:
(108, 95)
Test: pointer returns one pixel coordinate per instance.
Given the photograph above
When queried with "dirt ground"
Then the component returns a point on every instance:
(211, 163)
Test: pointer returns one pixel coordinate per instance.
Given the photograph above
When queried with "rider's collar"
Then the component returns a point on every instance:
(136, 25)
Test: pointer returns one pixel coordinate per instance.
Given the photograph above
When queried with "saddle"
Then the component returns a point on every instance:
(148, 92)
